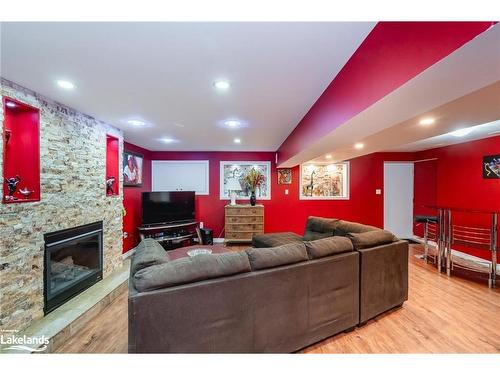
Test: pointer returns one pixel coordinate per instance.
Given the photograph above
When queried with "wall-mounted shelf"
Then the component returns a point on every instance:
(21, 152)
(112, 177)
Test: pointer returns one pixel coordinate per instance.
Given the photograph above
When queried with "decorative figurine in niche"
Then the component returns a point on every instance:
(12, 186)
(109, 185)
(25, 192)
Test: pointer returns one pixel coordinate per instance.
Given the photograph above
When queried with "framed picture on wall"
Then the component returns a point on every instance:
(284, 176)
(324, 181)
(230, 170)
(132, 168)
(491, 167)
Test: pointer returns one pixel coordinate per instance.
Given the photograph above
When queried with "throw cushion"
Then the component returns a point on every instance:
(328, 246)
(370, 239)
(148, 253)
(191, 269)
(276, 256)
(344, 227)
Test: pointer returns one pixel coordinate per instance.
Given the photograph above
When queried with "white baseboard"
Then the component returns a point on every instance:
(219, 240)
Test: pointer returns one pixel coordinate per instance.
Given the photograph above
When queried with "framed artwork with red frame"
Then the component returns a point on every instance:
(21, 152)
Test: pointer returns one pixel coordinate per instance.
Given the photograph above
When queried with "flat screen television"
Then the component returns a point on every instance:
(164, 207)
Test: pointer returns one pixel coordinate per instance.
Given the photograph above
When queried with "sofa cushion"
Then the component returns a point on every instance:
(313, 236)
(277, 256)
(328, 246)
(274, 239)
(191, 269)
(344, 227)
(319, 227)
(148, 253)
(369, 239)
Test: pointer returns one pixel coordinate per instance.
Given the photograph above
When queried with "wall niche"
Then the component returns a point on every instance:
(21, 152)
(112, 165)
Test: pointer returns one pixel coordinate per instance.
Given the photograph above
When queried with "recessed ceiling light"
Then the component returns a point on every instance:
(232, 123)
(168, 140)
(461, 132)
(10, 104)
(67, 85)
(328, 156)
(136, 122)
(359, 145)
(427, 121)
(222, 85)
(237, 140)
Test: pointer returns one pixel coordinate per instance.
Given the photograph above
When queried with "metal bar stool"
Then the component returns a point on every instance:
(430, 231)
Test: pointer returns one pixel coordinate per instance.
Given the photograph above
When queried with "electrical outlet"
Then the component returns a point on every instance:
(286, 191)
(378, 191)
(201, 224)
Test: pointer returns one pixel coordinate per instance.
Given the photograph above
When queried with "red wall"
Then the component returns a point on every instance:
(392, 54)
(132, 199)
(454, 179)
(459, 182)
(287, 212)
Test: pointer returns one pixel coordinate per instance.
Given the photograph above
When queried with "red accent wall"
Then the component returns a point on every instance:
(132, 199)
(459, 182)
(288, 212)
(392, 54)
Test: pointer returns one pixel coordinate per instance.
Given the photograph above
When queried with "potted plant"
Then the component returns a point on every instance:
(253, 180)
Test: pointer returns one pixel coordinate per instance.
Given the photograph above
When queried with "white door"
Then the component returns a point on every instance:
(398, 199)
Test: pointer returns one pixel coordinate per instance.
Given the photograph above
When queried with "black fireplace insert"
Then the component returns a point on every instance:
(72, 263)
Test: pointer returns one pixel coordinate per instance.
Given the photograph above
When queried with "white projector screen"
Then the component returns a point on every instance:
(180, 175)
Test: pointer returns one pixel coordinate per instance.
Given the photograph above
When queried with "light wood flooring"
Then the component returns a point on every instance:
(442, 315)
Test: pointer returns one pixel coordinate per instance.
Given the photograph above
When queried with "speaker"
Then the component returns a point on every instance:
(207, 236)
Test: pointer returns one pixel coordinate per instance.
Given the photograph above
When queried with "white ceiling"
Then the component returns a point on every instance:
(490, 129)
(163, 73)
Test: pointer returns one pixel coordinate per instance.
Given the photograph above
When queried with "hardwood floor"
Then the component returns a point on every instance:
(442, 315)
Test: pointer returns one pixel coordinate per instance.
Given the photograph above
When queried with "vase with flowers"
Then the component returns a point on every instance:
(254, 179)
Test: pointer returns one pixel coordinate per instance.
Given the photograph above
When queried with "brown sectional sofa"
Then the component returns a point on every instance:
(265, 300)
(276, 303)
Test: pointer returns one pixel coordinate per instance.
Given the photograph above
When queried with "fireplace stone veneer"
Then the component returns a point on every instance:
(73, 193)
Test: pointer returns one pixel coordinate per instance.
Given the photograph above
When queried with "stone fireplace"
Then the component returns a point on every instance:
(73, 194)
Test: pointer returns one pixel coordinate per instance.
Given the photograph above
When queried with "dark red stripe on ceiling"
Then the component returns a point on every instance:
(392, 54)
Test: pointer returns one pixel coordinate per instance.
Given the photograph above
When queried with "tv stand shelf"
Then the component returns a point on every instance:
(166, 226)
(171, 235)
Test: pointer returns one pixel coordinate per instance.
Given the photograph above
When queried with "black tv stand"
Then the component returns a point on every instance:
(172, 235)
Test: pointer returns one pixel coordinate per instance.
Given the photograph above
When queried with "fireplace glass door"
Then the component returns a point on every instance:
(71, 265)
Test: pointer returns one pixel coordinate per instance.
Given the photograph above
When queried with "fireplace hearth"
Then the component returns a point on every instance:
(72, 263)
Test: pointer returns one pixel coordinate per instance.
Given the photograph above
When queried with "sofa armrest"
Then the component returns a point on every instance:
(383, 278)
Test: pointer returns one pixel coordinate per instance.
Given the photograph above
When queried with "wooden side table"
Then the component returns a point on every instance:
(242, 221)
